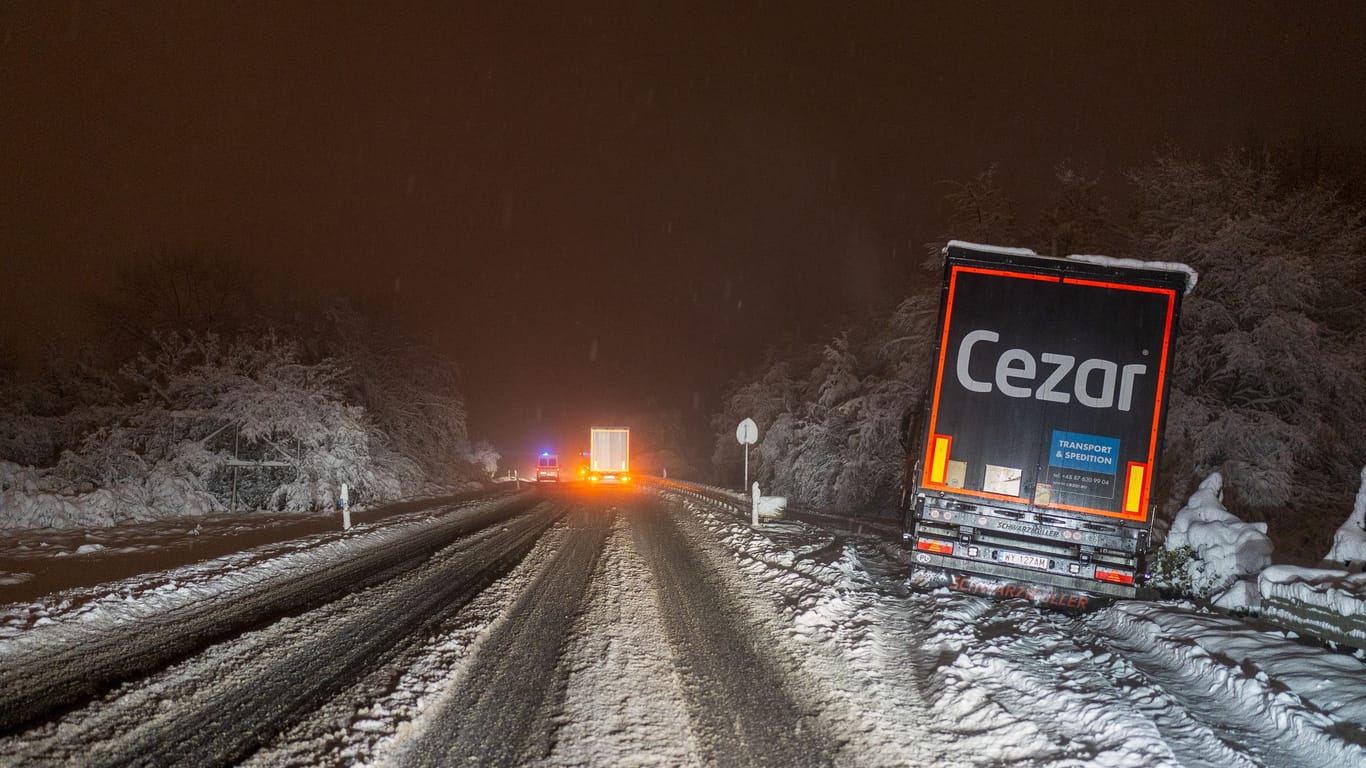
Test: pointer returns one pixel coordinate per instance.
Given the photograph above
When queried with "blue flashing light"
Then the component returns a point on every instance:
(545, 453)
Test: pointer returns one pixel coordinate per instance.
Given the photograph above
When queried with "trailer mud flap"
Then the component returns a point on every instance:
(1061, 598)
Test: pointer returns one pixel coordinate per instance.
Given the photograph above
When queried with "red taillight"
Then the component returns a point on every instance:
(1114, 577)
(937, 547)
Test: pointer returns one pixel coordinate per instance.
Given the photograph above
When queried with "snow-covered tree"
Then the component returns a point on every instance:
(249, 398)
(195, 373)
(828, 413)
(41, 417)
(1077, 218)
(1268, 386)
(409, 390)
(980, 211)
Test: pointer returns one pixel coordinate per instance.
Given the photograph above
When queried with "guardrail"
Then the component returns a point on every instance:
(739, 503)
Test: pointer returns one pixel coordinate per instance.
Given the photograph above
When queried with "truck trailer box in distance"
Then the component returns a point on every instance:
(1042, 425)
(609, 454)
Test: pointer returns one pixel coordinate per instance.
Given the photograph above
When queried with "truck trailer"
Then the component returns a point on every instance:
(1031, 459)
(609, 454)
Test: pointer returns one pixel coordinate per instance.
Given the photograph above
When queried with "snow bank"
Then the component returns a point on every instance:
(18, 477)
(1192, 276)
(1227, 550)
(1349, 543)
(992, 248)
(1336, 600)
(162, 496)
(19, 509)
(771, 506)
(766, 506)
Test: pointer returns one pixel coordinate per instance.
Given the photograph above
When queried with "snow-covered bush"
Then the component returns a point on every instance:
(1349, 543)
(1179, 571)
(1211, 553)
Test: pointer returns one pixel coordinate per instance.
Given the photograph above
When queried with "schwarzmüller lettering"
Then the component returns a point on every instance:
(1010, 589)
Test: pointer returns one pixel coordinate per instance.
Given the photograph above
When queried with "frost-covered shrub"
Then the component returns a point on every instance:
(1178, 571)
(1349, 543)
(1208, 551)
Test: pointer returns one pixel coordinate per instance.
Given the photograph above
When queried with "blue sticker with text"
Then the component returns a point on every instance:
(1073, 450)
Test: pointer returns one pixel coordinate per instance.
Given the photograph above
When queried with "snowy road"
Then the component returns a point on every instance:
(567, 628)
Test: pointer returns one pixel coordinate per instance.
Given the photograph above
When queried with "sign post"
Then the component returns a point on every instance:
(747, 433)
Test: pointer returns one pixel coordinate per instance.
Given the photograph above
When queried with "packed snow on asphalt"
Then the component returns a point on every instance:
(640, 628)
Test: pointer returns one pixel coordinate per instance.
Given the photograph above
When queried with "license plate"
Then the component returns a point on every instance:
(1028, 561)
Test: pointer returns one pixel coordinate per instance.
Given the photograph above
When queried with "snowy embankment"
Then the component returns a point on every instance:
(1212, 554)
(1328, 603)
(25, 503)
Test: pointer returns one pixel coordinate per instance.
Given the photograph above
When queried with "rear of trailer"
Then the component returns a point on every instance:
(1033, 465)
(609, 459)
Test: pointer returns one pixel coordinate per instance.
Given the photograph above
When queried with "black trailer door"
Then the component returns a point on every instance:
(1048, 389)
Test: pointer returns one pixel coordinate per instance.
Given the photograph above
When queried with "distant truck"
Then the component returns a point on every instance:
(609, 455)
(1030, 461)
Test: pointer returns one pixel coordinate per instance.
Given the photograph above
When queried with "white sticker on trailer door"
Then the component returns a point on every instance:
(1003, 480)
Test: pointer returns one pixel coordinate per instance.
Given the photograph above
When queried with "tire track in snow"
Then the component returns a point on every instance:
(1007, 675)
(42, 676)
(1194, 743)
(624, 704)
(372, 719)
(222, 704)
(1271, 725)
(500, 709)
(746, 708)
(852, 633)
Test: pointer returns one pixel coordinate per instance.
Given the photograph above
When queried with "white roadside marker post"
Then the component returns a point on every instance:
(346, 509)
(754, 522)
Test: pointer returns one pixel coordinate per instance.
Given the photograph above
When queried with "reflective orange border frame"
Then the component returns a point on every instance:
(1141, 514)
